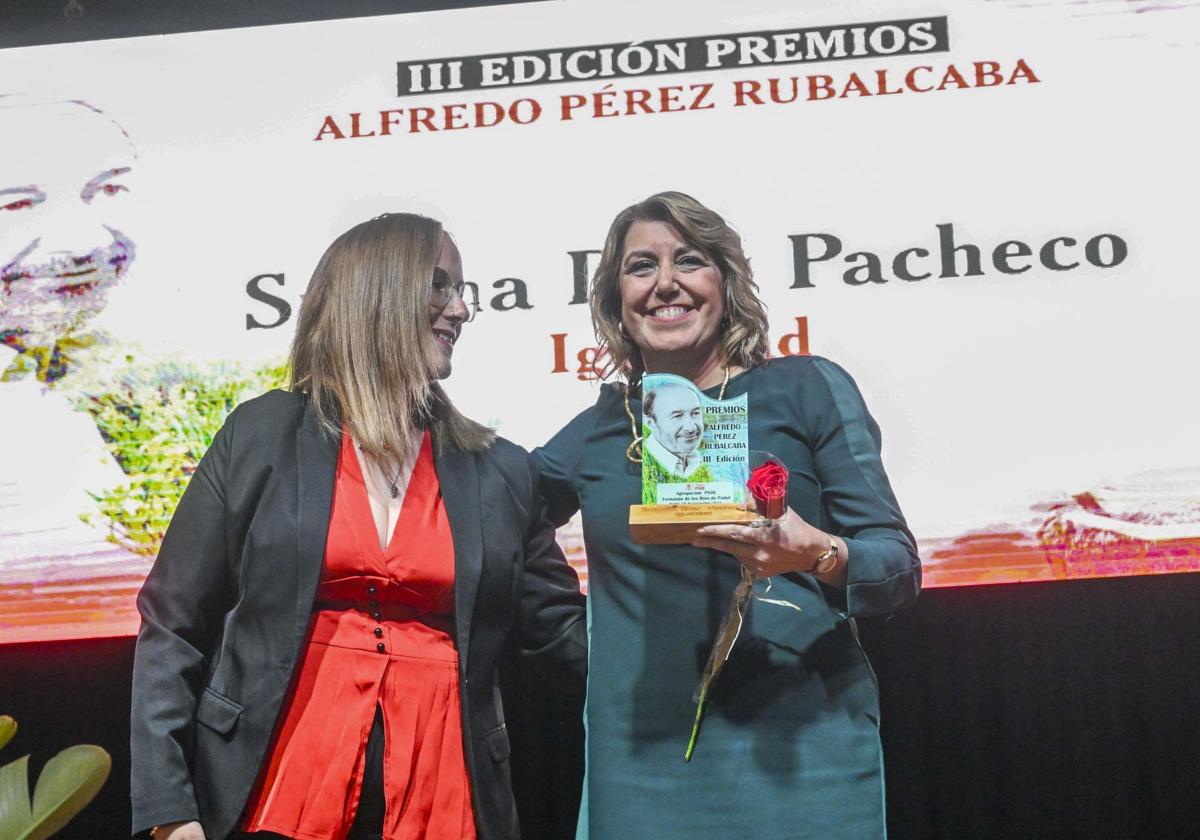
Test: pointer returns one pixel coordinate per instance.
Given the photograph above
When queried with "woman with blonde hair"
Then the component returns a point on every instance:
(320, 632)
(789, 744)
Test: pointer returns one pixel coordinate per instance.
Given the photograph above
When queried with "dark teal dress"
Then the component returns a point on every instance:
(790, 742)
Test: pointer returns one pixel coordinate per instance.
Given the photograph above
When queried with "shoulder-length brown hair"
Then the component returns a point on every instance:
(363, 349)
(744, 325)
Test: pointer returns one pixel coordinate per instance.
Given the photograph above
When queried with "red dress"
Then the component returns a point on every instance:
(381, 635)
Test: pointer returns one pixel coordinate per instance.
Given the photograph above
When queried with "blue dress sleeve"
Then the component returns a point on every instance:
(557, 462)
(884, 572)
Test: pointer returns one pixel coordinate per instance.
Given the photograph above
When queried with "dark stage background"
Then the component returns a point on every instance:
(1056, 710)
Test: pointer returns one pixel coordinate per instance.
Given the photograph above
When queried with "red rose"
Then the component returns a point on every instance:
(768, 485)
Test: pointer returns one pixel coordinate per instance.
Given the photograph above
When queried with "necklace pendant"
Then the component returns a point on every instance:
(395, 490)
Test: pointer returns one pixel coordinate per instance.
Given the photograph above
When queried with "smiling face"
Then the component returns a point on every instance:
(676, 419)
(671, 303)
(446, 320)
(62, 190)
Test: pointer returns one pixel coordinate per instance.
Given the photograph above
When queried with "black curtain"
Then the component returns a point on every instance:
(1055, 710)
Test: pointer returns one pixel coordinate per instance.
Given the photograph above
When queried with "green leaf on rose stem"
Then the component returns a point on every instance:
(68, 782)
(15, 813)
(8, 728)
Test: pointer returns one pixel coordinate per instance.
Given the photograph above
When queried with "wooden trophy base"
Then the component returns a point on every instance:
(677, 524)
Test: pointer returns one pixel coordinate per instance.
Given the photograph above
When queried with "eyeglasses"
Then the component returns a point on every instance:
(442, 291)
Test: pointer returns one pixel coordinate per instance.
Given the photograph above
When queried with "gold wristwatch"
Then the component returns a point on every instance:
(827, 560)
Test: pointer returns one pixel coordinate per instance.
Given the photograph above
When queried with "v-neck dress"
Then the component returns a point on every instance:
(381, 636)
(789, 747)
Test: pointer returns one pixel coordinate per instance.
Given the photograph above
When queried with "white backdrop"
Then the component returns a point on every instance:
(1000, 396)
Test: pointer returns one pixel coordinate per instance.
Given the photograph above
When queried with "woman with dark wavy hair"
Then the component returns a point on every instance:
(321, 630)
(789, 745)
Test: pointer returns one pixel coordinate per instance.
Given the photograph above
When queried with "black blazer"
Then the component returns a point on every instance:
(226, 608)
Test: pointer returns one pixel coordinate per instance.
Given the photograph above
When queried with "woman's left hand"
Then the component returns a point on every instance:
(787, 544)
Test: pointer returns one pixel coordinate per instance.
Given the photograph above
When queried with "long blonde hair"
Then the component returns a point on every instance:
(744, 325)
(363, 349)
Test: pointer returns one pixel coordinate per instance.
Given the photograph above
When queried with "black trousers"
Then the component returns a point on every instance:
(368, 821)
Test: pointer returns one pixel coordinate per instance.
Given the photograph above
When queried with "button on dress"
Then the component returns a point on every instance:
(381, 636)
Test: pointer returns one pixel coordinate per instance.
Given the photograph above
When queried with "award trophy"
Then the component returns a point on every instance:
(695, 462)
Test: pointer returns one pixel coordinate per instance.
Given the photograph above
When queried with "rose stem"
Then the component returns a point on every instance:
(696, 725)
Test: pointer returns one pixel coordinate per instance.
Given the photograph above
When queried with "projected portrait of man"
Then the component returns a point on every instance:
(63, 248)
(676, 421)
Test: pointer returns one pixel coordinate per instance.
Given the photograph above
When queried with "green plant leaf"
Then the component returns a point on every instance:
(15, 813)
(68, 783)
(8, 728)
